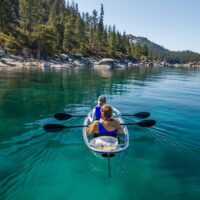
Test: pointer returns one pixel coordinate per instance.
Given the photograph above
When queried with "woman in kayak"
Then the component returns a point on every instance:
(96, 113)
(106, 125)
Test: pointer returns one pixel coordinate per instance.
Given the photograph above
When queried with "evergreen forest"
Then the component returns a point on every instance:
(44, 28)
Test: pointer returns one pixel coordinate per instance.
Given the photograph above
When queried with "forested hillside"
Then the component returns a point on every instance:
(42, 28)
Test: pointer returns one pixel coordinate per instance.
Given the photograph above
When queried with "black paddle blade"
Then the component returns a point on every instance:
(62, 116)
(106, 155)
(53, 127)
(142, 114)
(146, 123)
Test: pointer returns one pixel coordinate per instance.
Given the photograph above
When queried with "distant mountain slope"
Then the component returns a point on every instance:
(151, 45)
(160, 53)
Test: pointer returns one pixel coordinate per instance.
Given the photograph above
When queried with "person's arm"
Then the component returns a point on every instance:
(92, 128)
(119, 127)
(116, 112)
(92, 117)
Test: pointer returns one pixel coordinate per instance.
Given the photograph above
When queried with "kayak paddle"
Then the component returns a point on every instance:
(65, 116)
(60, 127)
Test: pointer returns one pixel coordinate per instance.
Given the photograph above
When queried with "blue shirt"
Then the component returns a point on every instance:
(98, 112)
(104, 131)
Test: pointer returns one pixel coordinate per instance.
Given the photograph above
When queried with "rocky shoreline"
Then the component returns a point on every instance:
(70, 61)
(59, 61)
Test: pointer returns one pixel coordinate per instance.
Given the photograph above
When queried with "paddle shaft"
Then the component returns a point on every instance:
(109, 169)
(59, 127)
(66, 116)
(124, 124)
(124, 115)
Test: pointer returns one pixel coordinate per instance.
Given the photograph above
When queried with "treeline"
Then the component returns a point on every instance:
(173, 57)
(41, 28)
(45, 27)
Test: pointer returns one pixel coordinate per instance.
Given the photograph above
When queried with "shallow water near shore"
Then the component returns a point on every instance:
(162, 162)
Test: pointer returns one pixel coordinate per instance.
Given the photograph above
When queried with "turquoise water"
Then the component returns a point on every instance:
(161, 162)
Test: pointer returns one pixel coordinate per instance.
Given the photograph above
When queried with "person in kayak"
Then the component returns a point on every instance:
(96, 113)
(106, 125)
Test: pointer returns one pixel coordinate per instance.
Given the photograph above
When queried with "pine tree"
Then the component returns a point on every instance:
(93, 32)
(80, 33)
(69, 33)
(112, 41)
(57, 20)
(44, 39)
(30, 14)
(8, 15)
(100, 30)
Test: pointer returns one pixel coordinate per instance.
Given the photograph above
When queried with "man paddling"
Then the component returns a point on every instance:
(106, 125)
(96, 113)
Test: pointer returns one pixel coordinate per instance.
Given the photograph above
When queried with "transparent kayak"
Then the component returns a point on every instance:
(106, 144)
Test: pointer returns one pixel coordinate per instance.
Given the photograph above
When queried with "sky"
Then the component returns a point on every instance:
(173, 24)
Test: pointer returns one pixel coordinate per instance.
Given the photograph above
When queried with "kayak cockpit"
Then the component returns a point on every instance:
(106, 144)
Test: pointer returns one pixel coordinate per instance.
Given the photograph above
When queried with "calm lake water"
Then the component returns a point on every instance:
(162, 162)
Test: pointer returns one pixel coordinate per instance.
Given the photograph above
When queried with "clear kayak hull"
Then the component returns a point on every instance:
(106, 144)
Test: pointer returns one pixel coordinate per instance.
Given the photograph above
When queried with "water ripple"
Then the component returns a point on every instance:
(175, 143)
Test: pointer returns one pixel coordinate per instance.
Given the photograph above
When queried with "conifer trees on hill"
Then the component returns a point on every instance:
(47, 27)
